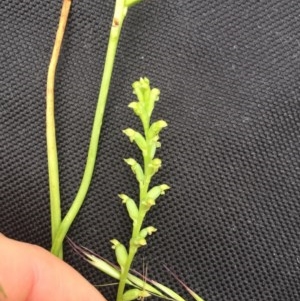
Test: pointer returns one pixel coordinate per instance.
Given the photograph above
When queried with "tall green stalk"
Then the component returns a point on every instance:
(121, 8)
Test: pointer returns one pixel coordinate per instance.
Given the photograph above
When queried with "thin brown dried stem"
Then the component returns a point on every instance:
(50, 125)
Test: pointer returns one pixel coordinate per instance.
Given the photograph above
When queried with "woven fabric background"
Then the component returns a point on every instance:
(229, 74)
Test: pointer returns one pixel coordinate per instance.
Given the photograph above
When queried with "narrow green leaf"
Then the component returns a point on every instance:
(102, 265)
(167, 291)
(144, 285)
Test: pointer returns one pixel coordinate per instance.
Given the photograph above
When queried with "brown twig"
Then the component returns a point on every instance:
(50, 125)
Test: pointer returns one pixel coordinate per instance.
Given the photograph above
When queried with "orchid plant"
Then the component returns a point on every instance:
(147, 142)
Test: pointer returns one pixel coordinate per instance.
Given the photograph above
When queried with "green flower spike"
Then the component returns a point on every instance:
(147, 142)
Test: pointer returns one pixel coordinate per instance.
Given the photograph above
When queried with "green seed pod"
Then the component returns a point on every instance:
(147, 231)
(156, 191)
(120, 251)
(135, 293)
(130, 205)
(136, 168)
(156, 127)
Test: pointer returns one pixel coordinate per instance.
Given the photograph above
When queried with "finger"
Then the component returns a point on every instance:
(28, 272)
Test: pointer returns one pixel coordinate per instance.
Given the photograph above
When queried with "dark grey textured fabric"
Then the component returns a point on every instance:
(229, 76)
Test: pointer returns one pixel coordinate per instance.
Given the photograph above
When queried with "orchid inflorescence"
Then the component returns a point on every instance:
(147, 142)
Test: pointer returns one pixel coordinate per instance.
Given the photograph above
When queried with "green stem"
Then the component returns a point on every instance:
(119, 16)
(53, 172)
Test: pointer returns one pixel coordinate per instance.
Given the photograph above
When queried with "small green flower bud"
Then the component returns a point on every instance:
(120, 251)
(123, 197)
(141, 89)
(148, 203)
(155, 139)
(130, 133)
(153, 150)
(138, 91)
(147, 231)
(156, 127)
(130, 161)
(131, 294)
(155, 165)
(139, 242)
(144, 84)
(136, 168)
(156, 191)
(155, 94)
(135, 293)
(154, 144)
(137, 138)
(130, 205)
(136, 107)
(164, 187)
(153, 97)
